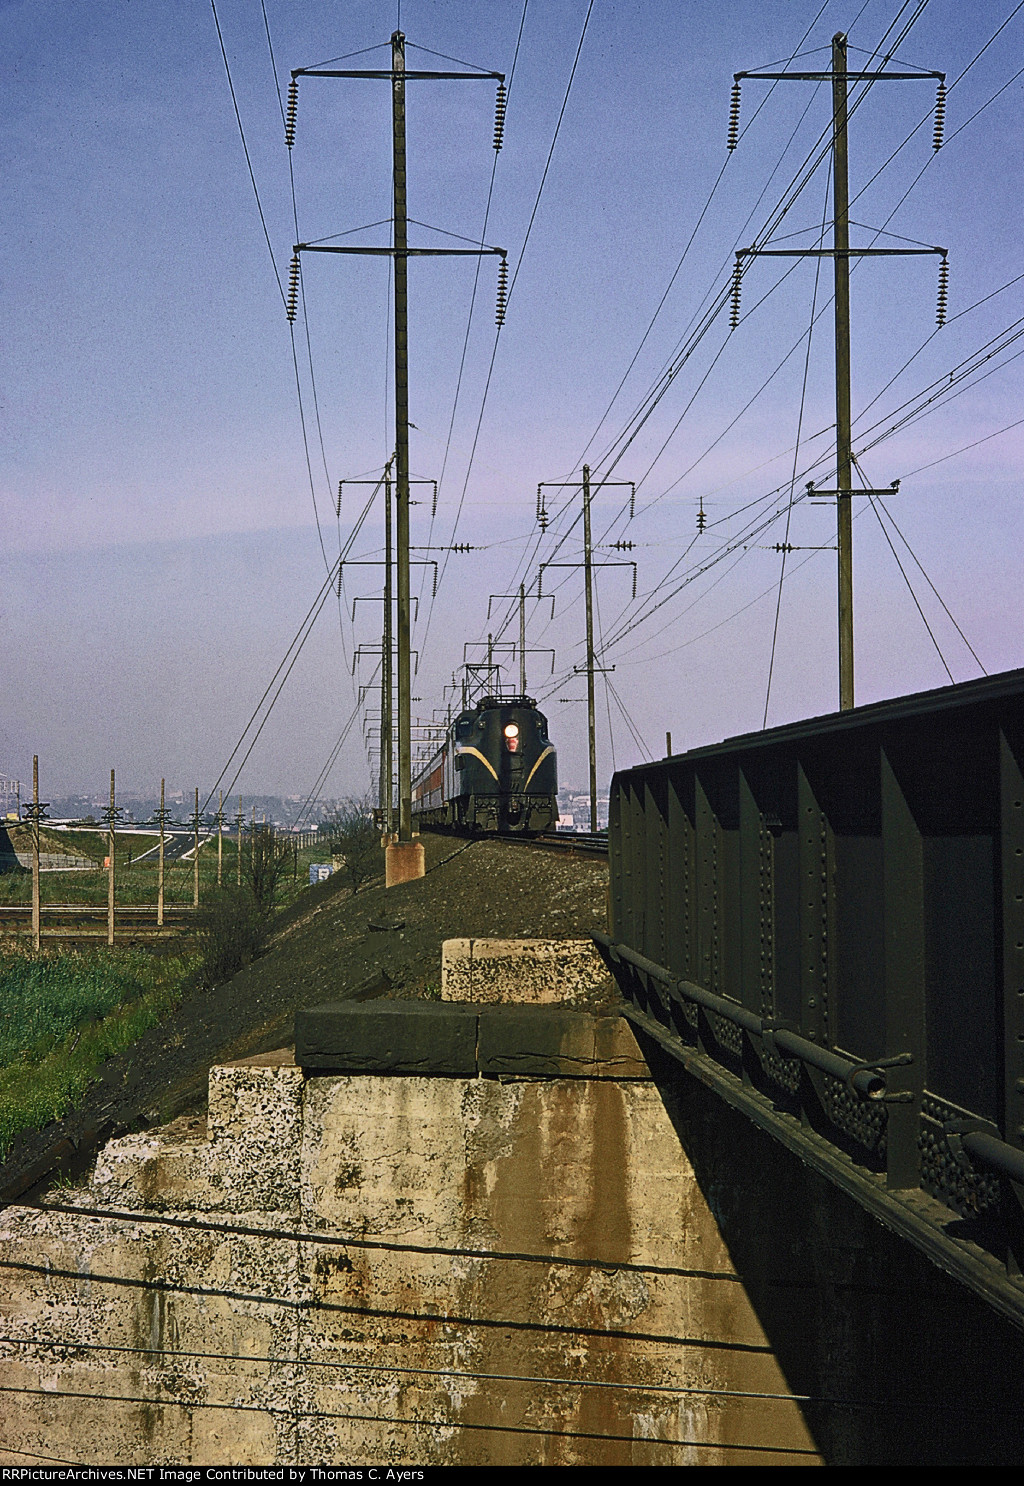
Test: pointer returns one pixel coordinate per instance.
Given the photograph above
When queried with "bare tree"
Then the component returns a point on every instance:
(356, 839)
(265, 861)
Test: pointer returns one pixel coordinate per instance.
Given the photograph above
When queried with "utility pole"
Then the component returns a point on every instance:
(239, 822)
(36, 813)
(195, 852)
(588, 587)
(387, 683)
(404, 859)
(112, 813)
(387, 765)
(401, 261)
(841, 253)
(220, 837)
(162, 819)
(520, 599)
(844, 431)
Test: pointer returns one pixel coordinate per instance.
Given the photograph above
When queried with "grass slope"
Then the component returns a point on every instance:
(327, 945)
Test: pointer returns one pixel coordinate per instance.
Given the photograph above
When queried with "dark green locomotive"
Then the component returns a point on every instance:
(495, 771)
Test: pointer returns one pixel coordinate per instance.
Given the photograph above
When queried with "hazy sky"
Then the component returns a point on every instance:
(160, 547)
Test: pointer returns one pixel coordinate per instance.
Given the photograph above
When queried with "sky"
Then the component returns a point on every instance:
(165, 533)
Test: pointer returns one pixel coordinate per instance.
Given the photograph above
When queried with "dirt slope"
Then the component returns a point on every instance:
(325, 951)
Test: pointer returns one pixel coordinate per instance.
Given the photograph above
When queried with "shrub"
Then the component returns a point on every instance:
(265, 862)
(232, 930)
(356, 839)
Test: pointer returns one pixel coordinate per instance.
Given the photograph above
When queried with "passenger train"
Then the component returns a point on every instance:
(495, 771)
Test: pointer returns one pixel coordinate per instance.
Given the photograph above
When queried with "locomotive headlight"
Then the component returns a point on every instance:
(512, 730)
(512, 737)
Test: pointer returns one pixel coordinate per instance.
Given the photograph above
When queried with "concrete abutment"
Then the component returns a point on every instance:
(552, 1257)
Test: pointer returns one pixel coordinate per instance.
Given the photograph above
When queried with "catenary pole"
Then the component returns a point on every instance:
(844, 432)
(588, 581)
(402, 438)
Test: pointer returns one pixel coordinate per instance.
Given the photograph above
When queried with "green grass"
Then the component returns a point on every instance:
(62, 1015)
(136, 886)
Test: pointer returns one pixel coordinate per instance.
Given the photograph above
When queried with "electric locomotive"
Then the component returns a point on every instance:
(495, 771)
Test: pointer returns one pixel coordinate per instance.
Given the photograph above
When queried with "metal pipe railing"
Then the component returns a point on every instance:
(864, 1078)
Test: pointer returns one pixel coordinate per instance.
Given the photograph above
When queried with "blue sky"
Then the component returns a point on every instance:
(160, 547)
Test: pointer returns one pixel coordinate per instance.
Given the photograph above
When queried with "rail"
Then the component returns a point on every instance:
(589, 843)
(825, 923)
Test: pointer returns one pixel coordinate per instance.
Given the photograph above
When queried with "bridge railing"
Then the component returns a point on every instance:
(830, 917)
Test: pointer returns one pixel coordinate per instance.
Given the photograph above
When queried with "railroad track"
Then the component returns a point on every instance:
(589, 843)
(85, 910)
(83, 922)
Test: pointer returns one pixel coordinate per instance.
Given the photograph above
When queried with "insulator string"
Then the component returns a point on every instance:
(502, 301)
(500, 103)
(940, 312)
(293, 108)
(293, 288)
(734, 308)
(734, 117)
(940, 116)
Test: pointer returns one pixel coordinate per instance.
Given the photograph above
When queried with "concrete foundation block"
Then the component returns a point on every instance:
(249, 1160)
(556, 1042)
(457, 1038)
(531, 970)
(417, 1037)
(499, 1230)
(403, 862)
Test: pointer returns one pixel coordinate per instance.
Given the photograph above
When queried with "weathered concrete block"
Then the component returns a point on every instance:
(248, 1162)
(556, 1042)
(529, 970)
(544, 1229)
(417, 1037)
(404, 861)
(464, 1039)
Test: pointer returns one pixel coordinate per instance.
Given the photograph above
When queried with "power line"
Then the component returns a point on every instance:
(515, 276)
(445, 1424)
(910, 589)
(672, 370)
(796, 458)
(472, 301)
(392, 1246)
(674, 1390)
(391, 1313)
(798, 182)
(944, 390)
(689, 243)
(245, 148)
(299, 640)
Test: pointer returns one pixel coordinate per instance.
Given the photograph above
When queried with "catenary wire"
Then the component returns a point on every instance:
(798, 181)
(910, 590)
(512, 289)
(796, 459)
(892, 521)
